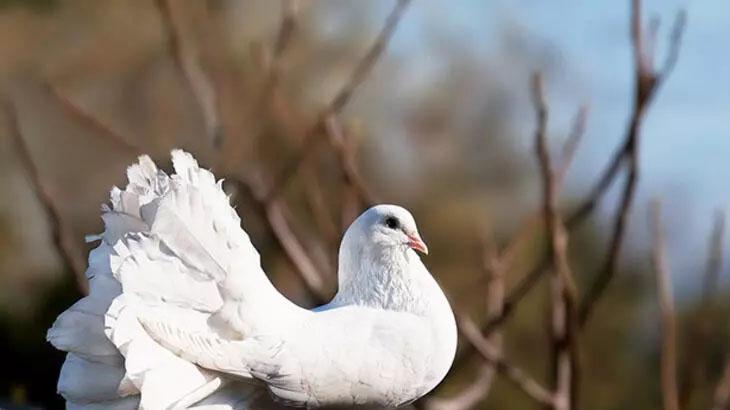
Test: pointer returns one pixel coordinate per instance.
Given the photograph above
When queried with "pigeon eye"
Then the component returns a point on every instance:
(391, 222)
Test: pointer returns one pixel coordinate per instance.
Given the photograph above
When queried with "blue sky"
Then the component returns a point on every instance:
(685, 151)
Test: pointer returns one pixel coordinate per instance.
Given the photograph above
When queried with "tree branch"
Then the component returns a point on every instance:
(340, 99)
(86, 119)
(647, 80)
(275, 213)
(517, 376)
(480, 387)
(346, 158)
(563, 295)
(188, 61)
(61, 233)
(670, 395)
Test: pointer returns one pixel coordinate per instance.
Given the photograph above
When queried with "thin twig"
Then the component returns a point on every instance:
(97, 128)
(347, 161)
(721, 397)
(563, 297)
(571, 144)
(298, 255)
(358, 75)
(647, 80)
(61, 232)
(528, 231)
(695, 364)
(517, 376)
(289, 12)
(275, 214)
(670, 397)
(714, 258)
(188, 61)
(479, 388)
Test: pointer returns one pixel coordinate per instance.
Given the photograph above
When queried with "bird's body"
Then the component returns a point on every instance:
(196, 321)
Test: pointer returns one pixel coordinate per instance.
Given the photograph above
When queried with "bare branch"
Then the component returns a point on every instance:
(61, 233)
(670, 395)
(571, 143)
(347, 161)
(289, 11)
(695, 363)
(295, 250)
(519, 378)
(563, 297)
(647, 81)
(721, 399)
(275, 213)
(188, 61)
(714, 257)
(342, 97)
(480, 387)
(86, 119)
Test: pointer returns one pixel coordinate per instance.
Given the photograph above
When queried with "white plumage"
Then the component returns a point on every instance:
(181, 315)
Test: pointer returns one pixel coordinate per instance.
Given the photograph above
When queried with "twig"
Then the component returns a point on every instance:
(714, 258)
(289, 11)
(571, 144)
(527, 231)
(347, 161)
(668, 318)
(647, 81)
(563, 298)
(295, 252)
(721, 399)
(695, 364)
(86, 119)
(188, 61)
(519, 378)
(342, 97)
(60, 231)
(480, 387)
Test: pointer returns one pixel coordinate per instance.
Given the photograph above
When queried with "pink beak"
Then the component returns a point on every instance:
(415, 242)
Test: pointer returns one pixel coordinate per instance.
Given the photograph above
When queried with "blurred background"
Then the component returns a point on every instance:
(439, 120)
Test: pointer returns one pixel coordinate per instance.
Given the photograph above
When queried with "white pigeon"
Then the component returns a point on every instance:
(181, 315)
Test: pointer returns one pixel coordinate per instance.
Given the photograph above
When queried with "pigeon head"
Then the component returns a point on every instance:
(388, 227)
(376, 259)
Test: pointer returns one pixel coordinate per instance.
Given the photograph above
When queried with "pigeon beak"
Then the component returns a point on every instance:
(415, 242)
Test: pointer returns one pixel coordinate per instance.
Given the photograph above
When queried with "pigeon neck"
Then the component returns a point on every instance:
(388, 278)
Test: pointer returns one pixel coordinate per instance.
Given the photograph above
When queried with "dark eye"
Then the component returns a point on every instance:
(391, 222)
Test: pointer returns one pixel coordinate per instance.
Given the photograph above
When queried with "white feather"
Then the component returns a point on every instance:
(180, 311)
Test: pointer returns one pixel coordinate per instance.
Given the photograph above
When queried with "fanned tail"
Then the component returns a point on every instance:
(171, 244)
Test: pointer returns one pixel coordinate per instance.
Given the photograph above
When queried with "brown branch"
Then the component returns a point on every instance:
(346, 159)
(721, 397)
(480, 387)
(289, 12)
(295, 250)
(647, 80)
(358, 75)
(563, 295)
(527, 231)
(695, 364)
(275, 214)
(517, 376)
(61, 232)
(571, 144)
(188, 61)
(714, 258)
(668, 318)
(87, 120)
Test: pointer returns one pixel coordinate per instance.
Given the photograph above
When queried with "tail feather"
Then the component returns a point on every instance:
(171, 244)
(86, 381)
(122, 403)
